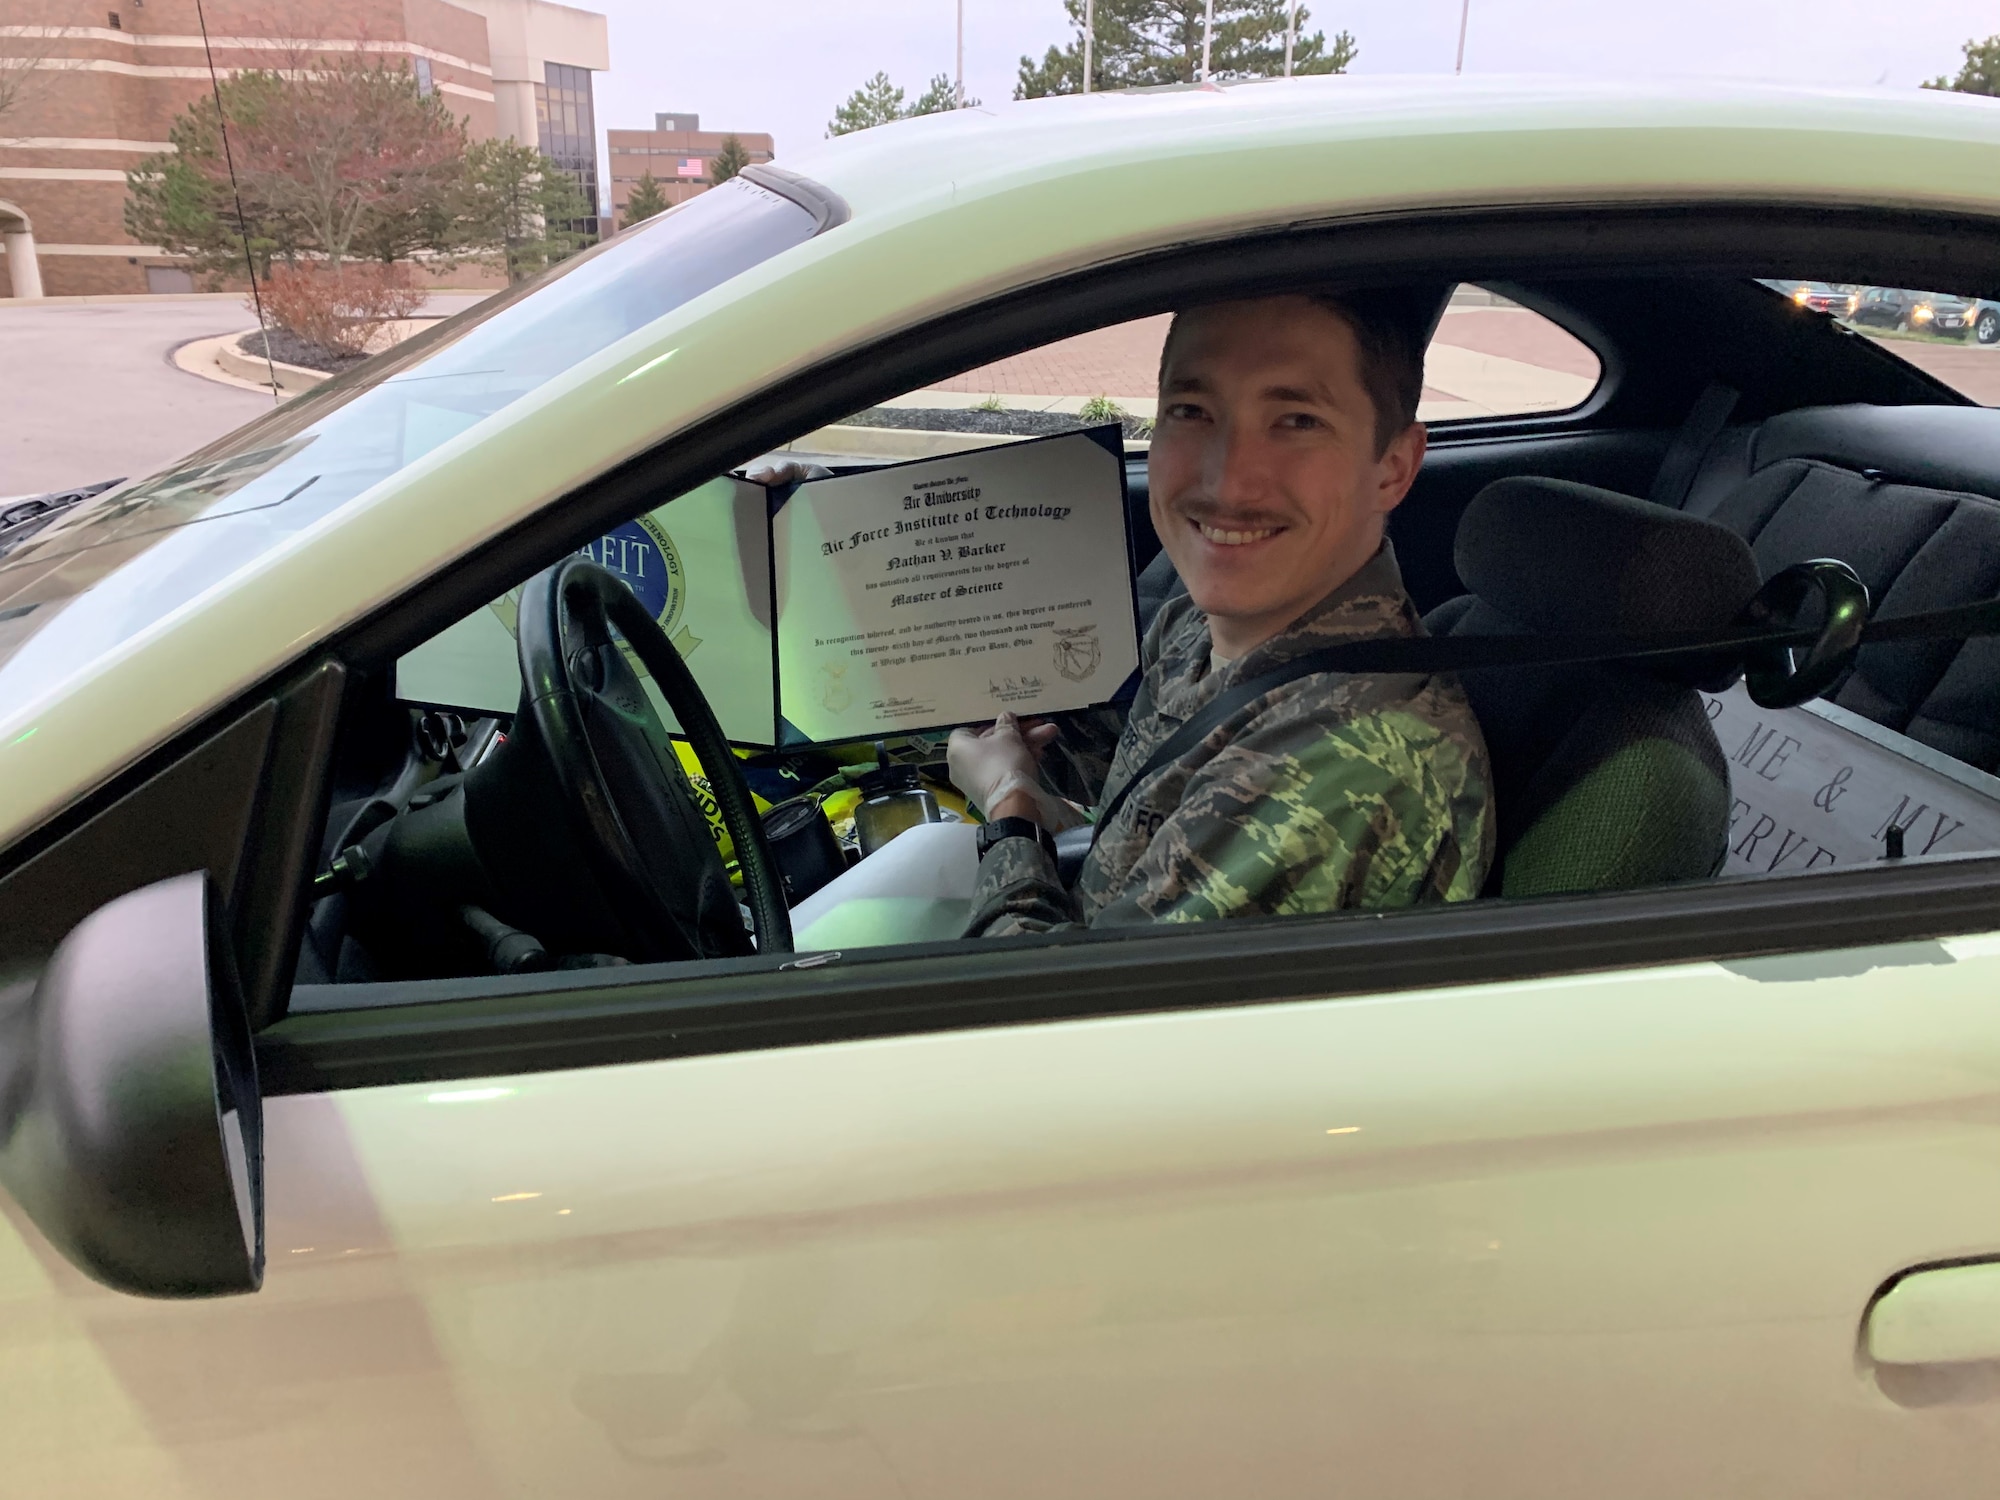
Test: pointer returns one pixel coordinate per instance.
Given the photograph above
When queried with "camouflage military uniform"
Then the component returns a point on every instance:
(1331, 791)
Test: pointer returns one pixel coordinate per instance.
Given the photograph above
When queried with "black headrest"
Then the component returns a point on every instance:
(1563, 558)
(1941, 447)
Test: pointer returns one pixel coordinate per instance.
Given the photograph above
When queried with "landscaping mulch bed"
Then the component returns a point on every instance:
(1005, 423)
(290, 349)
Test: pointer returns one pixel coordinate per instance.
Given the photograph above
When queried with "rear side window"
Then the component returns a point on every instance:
(1494, 358)
(1952, 337)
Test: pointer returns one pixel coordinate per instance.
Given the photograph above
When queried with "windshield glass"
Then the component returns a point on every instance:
(271, 479)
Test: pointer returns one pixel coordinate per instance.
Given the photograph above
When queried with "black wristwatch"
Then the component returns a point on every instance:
(1015, 828)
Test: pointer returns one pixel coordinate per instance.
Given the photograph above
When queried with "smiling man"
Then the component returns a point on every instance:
(1286, 435)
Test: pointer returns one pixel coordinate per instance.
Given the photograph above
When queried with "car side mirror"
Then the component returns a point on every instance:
(131, 1129)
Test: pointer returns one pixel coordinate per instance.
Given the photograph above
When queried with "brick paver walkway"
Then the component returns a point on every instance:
(1967, 368)
(1123, 362)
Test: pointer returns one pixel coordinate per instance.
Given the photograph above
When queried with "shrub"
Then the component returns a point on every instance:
(1100, 409)
(340, 307)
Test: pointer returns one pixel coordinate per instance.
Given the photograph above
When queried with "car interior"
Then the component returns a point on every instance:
(1733, 434)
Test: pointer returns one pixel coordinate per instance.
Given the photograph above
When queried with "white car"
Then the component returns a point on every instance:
(1671, 1167)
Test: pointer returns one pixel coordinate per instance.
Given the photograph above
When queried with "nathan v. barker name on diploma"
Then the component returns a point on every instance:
(944, 592)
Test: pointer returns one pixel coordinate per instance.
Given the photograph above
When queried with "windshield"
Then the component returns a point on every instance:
(160, 543)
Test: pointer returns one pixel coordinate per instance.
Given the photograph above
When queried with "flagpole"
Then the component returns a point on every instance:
(1464, 15)
(1291, 34)
(1207, 38)
(960, 101)
(1089, 34)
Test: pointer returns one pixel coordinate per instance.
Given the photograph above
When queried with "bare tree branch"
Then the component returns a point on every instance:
(27, 61)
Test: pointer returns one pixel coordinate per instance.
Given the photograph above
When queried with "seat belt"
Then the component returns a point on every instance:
(1703, 424)
(1426, 655)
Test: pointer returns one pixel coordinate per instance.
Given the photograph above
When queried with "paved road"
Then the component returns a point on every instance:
(90, 394)
(87, 391)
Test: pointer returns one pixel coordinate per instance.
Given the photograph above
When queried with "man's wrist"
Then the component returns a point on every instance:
(1015, 804)
(996, 831)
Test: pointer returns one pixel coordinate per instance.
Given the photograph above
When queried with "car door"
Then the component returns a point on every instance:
(1242, 1210)
(1527, 1198)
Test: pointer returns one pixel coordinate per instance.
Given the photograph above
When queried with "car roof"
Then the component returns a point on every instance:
(987, 149)
(951, 209)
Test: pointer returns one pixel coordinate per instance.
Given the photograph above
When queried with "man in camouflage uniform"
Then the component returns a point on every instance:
(1286, 435)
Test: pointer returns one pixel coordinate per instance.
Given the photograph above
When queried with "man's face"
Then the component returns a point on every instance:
(1267, 491)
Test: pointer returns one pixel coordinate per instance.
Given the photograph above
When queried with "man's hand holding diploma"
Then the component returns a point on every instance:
(998, 769)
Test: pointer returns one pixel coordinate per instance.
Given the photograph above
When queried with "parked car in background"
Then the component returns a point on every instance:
(1942, 313)
(1827, 297)
(1986, 322)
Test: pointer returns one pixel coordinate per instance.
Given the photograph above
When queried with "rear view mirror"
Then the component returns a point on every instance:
(131, 1131)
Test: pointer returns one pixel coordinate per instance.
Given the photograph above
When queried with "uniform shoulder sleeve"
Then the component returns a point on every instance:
(1018, 891)
(1383, 810)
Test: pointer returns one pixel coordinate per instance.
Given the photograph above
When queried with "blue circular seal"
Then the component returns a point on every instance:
(642, 554)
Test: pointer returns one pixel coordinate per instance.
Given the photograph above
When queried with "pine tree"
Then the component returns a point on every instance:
(1981, 72)
(523, 207)
(876, 102)
(938, 96)
(730, 158)
(1146, 43)
(646, 200)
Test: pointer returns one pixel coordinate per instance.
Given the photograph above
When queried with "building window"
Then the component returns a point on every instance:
(421, 66)
(568, 124)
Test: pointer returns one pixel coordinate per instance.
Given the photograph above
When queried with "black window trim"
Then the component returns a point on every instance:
(451, 1030)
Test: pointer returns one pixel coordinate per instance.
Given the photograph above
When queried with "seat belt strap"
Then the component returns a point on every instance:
(1703, 424)
(1425, 655)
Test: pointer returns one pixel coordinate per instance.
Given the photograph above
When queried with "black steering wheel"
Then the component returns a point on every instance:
(631, 806)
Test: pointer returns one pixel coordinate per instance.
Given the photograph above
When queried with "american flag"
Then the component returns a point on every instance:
(691, 166)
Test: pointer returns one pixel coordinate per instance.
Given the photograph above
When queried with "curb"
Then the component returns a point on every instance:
(291, 379)
(104, 297)
(201, 359)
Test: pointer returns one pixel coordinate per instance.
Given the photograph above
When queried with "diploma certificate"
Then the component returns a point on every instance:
(946, 591)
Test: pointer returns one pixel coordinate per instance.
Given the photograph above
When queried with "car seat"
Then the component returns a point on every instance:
(1605, 777)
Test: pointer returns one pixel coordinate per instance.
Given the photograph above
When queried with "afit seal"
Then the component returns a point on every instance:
(643, 555)
(1077, 651)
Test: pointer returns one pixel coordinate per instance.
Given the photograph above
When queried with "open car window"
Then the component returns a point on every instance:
(1899, 759)
(1490, 357)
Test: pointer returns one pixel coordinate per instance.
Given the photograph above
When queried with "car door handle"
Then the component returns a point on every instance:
(1948, 1315)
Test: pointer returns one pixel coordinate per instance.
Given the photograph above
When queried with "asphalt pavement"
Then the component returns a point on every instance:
(88, 392)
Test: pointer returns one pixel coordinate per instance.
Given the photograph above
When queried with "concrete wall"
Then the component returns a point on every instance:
(523, 36)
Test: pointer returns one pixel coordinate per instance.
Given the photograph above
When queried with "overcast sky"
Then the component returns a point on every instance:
(784, 65)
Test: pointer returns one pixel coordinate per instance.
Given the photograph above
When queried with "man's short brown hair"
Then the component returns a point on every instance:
(1390, 343)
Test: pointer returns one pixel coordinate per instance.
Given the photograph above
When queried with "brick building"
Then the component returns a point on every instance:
(677, 152)
(110, 75)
